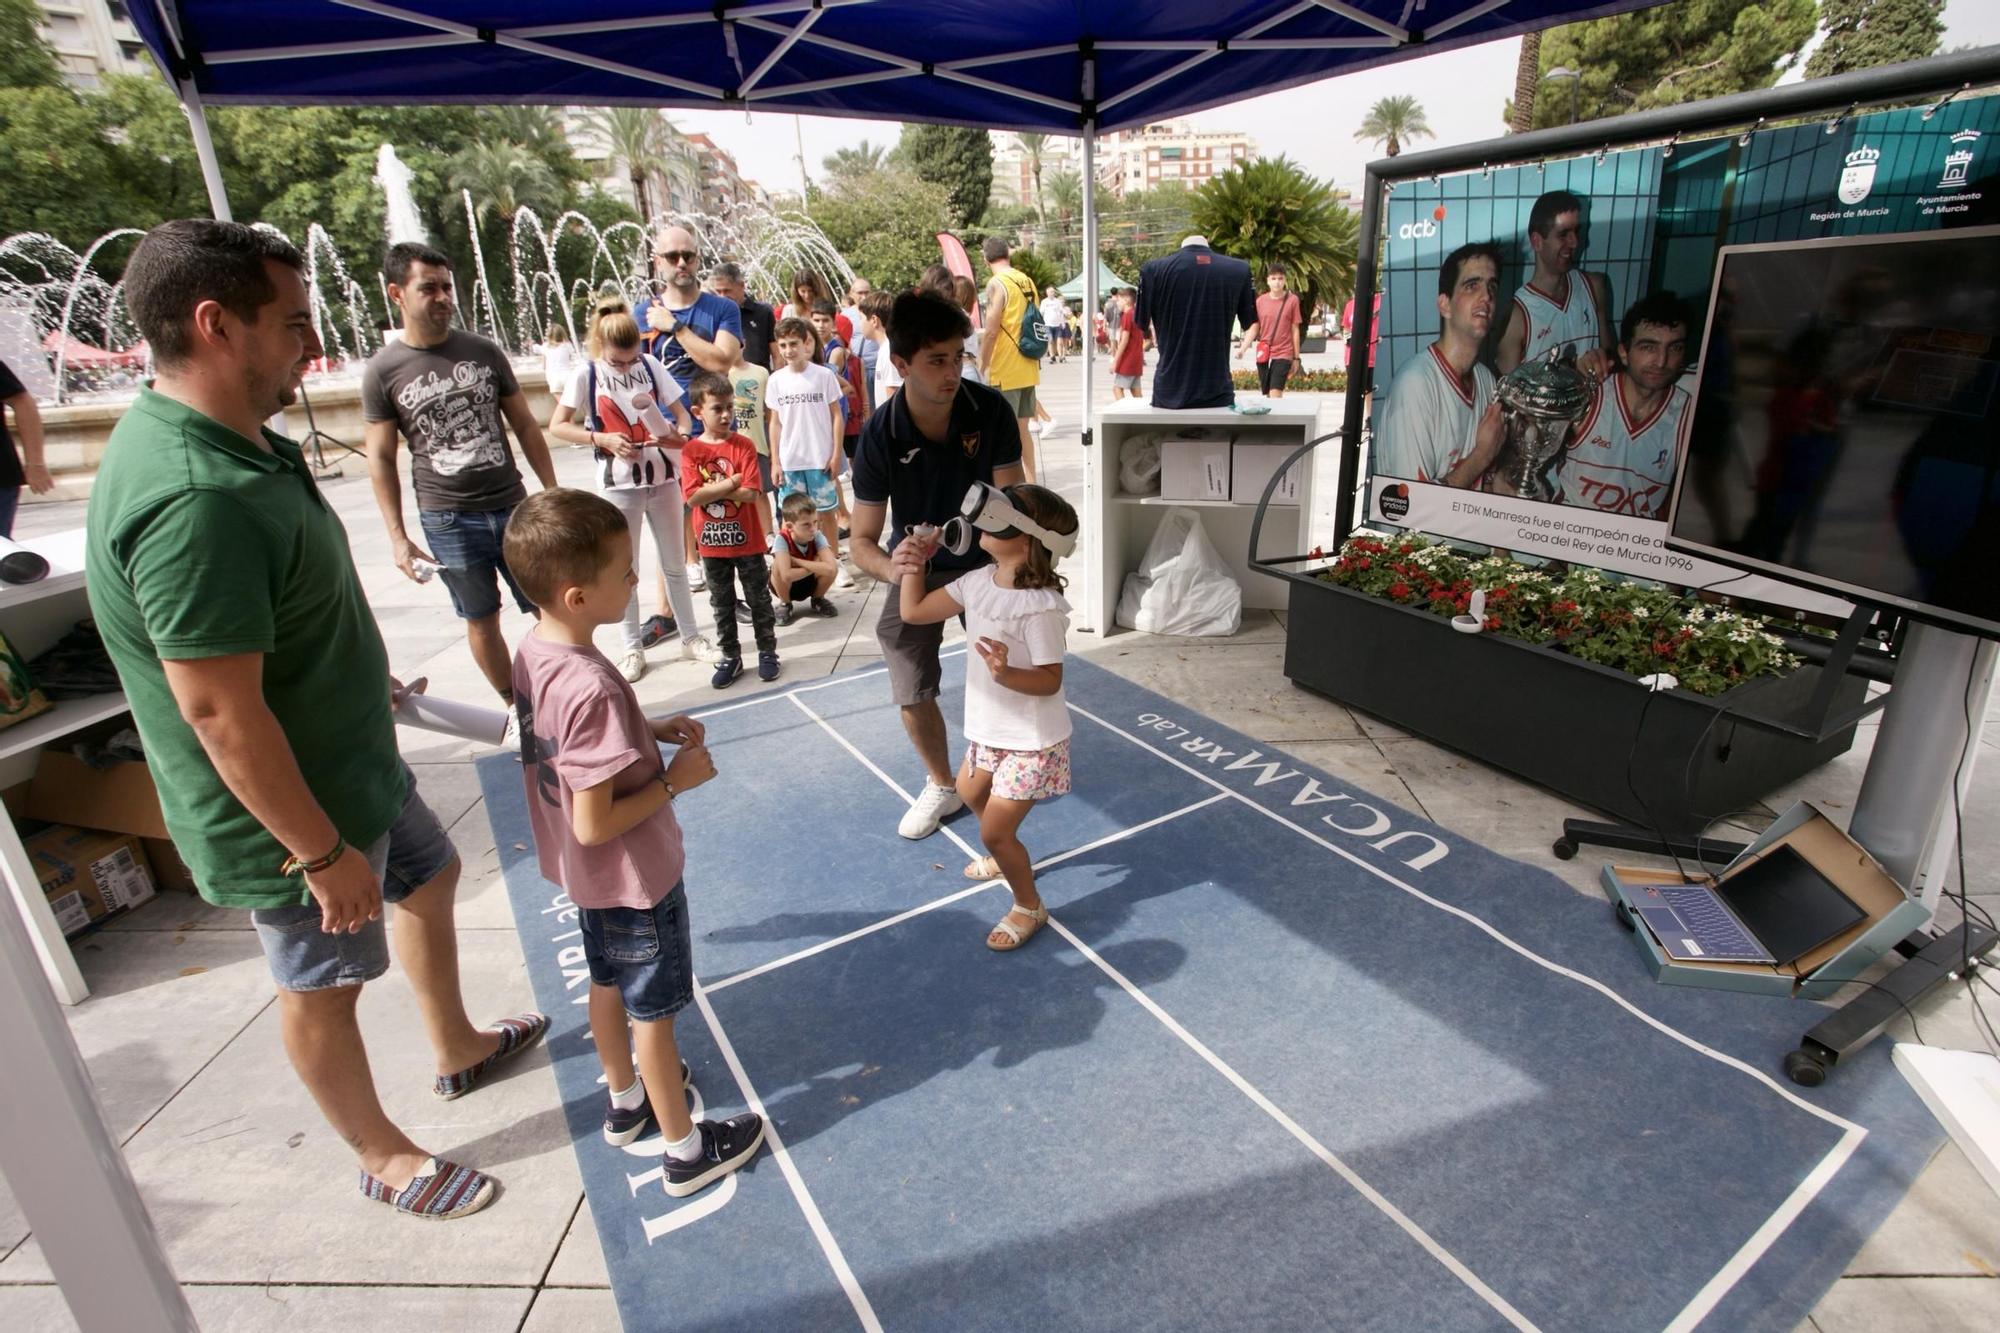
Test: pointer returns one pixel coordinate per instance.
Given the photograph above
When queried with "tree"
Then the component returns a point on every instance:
(631, 134)
(61, 177)
(506, 178)
(958, 159)
(26, 60)
(1864, 33)
(539, 129)
(1144, 225)
(1392, 122)
(1066, 202)
(1671, 54)
(884, 224)
(1527, 81)
(1036, 268)
(848, 163)
(1272, 211)
(1032, 148)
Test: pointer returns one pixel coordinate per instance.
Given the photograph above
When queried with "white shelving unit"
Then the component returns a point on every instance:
(1118, 526)
(33, 616)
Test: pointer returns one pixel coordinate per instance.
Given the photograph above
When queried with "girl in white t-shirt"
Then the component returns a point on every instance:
(1017, 725)
(623, 406)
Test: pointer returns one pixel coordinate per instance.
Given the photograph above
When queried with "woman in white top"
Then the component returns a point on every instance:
(617, 404)
(558, 358)
(1017, 725)
(966, 297)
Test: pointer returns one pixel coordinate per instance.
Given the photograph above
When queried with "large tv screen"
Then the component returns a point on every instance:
(1846, 430)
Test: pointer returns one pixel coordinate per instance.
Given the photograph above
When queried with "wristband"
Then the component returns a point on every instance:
(294, 865)
(668, 785)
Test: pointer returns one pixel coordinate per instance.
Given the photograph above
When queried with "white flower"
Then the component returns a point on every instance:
(1641, 612)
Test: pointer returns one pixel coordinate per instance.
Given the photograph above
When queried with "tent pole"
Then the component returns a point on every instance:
(204, 149)
(1360, 370)
(1087, 326)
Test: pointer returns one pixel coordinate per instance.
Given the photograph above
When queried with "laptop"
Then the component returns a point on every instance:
(1774, 910)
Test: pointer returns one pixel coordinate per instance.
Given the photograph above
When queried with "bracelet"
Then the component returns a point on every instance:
(297, 866)
(668, 785)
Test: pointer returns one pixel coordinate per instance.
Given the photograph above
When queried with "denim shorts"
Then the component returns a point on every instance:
(817, 484)
(644, 953)
(303, 957)
(467, 544)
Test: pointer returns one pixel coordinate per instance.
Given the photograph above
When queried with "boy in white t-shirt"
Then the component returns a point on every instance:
(875, 309)
(805, 401)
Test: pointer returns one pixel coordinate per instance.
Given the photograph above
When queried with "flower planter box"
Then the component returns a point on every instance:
(1558, 721)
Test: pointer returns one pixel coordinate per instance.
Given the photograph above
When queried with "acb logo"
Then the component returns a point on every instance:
(1422, 229)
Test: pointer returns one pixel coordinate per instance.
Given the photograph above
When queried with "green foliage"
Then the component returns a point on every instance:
(1669, 54)
(957, 159)
(1299, 381)
(1633, 627)
(1864, 33)
(57, 173)
(844, 164)
(632, 135)
(1143, 225)
(1272, 211)
(26, 60)
(1038, 268)
(1393, 122)
(505, 177)
(885, 224)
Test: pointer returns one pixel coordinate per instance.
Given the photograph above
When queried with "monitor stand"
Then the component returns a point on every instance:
(1923, 748)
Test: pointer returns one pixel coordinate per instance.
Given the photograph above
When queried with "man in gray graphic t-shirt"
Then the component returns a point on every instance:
(452, 395)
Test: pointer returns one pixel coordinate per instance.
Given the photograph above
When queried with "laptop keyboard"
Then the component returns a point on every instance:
(1711, 925)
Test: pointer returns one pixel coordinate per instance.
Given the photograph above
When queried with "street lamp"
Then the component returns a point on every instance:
(1575, 78)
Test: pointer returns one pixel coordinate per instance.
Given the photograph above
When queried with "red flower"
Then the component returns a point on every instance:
(1399, 590)
(1364, 562)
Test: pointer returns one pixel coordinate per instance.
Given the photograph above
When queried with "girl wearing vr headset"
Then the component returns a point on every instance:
(1017, 726)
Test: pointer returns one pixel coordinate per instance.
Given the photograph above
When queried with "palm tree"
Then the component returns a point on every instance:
(504, 177)
(538, 129)
(851, 164)
(1527, 79)
(1392, 122)
(631, 134)
(1271, 211)
(1032, 146)
(1066, 201)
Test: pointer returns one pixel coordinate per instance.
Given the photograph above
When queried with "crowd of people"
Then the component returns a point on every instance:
(227, 596)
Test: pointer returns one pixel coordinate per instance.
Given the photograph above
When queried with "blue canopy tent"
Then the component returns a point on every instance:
(1074, 67)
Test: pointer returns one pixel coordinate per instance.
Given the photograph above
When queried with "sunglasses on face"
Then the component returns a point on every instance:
(676, 256)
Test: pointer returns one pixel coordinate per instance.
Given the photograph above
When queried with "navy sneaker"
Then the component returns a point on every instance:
(822, 607)
(622, 1126)
(767, 666)
(656, 631)
(725, 1146)
(726, 672)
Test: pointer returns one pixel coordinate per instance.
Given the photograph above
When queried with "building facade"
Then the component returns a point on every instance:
(93, 39)
(1168, 151)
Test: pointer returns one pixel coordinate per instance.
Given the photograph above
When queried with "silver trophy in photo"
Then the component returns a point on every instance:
(1541, 401)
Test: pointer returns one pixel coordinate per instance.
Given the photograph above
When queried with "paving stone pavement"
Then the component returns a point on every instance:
(255, 1199)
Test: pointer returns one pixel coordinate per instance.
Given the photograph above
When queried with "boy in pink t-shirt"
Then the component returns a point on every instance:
(601, 804)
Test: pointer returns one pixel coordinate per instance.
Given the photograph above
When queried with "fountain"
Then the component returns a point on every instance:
(404, 223)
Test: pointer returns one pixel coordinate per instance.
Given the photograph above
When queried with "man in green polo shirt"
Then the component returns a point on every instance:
(221, 581)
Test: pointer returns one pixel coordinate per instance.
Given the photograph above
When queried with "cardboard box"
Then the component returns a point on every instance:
(120, 798)
(1250, 467)
(88, 875)
(1891, 916)
(1194, 467)
(170, 873)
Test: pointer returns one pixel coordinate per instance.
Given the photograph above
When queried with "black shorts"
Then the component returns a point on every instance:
(1272, 374)
(802, 588)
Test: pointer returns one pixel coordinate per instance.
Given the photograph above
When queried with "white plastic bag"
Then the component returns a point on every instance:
(1139, 465)
(1182, 586)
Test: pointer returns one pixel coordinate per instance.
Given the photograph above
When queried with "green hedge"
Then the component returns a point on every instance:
(1301, 381)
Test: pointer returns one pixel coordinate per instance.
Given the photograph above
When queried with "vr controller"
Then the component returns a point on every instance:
(987, 509)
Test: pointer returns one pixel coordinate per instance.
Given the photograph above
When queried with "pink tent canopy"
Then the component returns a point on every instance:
(85, 357)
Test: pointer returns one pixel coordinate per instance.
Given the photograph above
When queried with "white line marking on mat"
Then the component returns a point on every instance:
(826, 684)
(1717, 1287)
(1312, 1145)
(1762, 1239)
(827, 1244)
(946, 901)
(1451, 1263)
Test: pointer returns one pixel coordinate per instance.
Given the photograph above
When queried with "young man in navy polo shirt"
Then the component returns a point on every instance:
(919, 454)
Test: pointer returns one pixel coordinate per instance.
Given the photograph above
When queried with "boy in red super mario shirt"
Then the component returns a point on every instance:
(719, 479)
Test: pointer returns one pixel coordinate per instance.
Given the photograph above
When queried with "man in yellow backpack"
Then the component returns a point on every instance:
(1010, 299)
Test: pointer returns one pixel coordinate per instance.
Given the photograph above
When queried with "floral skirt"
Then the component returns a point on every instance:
(1023, 775)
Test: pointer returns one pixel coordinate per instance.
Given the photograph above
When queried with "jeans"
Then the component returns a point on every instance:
(722, 573)
(659, 507)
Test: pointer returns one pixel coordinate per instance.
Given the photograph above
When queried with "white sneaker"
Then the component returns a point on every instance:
(843, 579)
(632, 665)
(695, 580)
(1035, 428)
(1049, 426)
(932, 805)
(697, 648)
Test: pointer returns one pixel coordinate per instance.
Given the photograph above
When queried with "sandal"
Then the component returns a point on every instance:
(1015, 935)
(983, 867)
(439, 1192)
(516, 1034)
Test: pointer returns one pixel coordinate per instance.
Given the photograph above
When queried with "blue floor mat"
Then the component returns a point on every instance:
(1289, 1057)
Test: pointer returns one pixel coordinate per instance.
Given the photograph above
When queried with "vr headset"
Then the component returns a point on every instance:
(987, 509)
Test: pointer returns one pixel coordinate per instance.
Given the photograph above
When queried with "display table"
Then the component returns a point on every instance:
(1118, 526)
(33, 616)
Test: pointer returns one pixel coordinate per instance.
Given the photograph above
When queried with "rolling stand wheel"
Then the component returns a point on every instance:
(1564, 849)
(1805, 1068)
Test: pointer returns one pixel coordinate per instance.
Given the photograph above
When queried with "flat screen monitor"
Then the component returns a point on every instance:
(1846, 432)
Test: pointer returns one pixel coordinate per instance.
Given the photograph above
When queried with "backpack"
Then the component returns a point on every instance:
(1033, 339)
